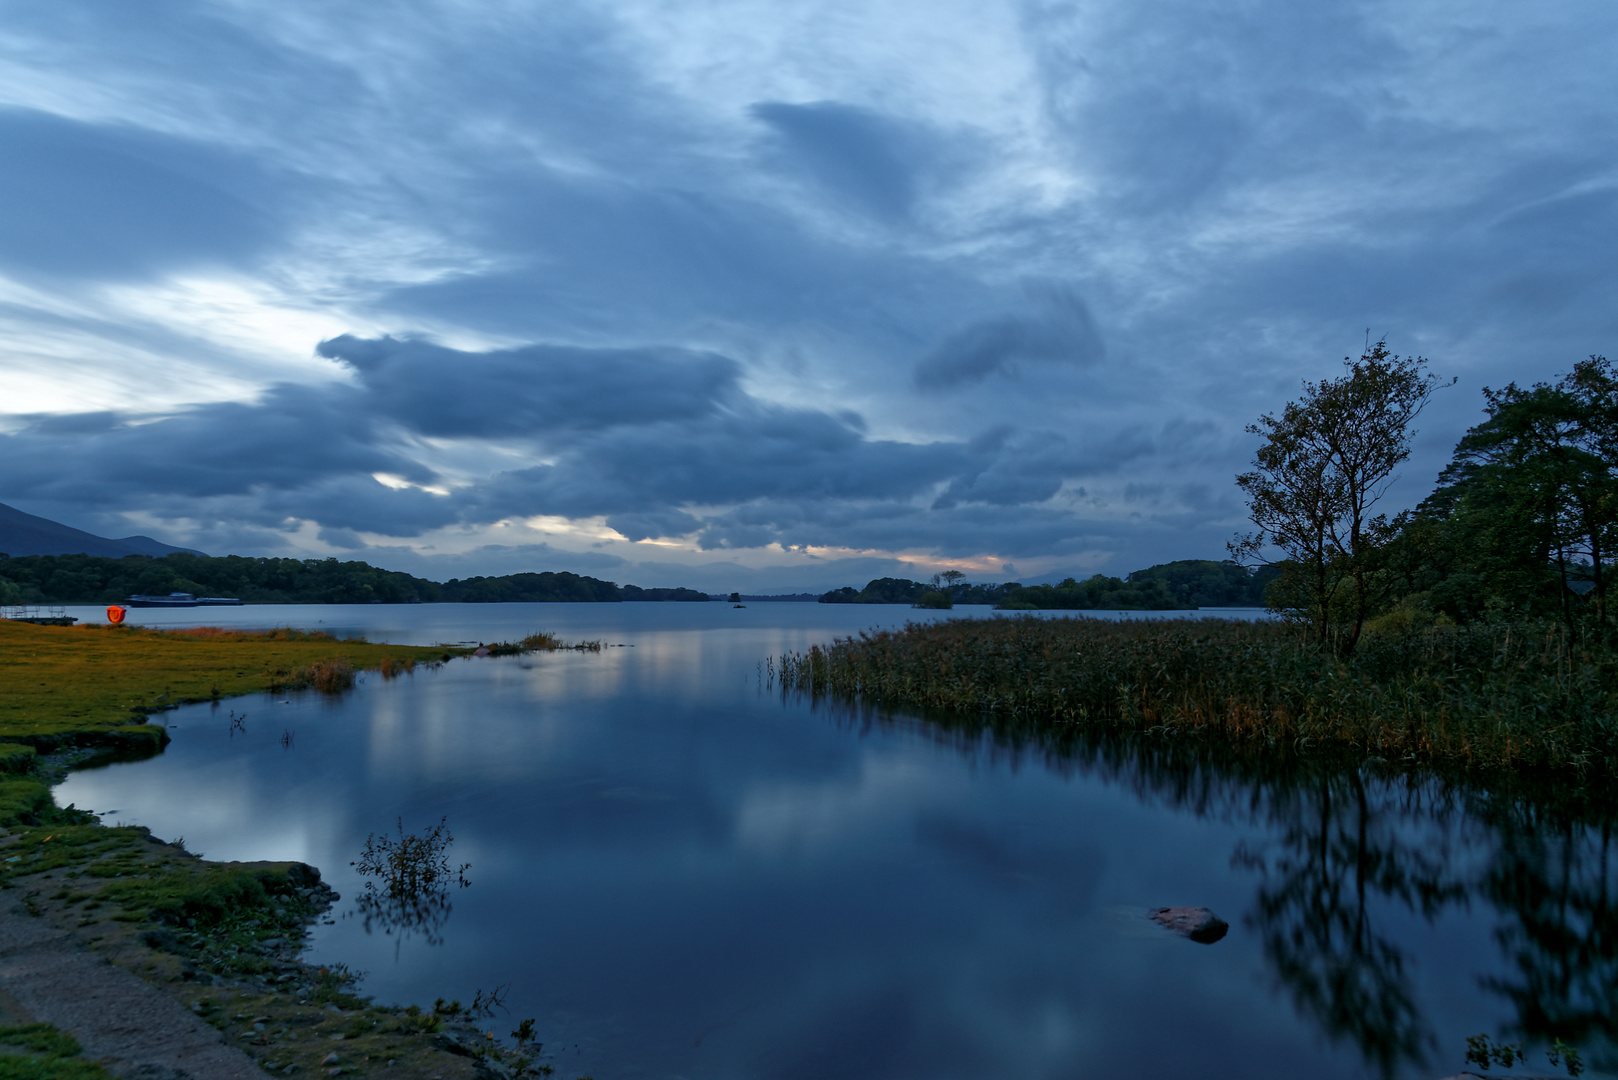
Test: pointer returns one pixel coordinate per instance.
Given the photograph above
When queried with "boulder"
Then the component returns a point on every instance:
(1197, 923)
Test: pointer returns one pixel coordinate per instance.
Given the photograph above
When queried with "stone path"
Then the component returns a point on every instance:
(132, 1028)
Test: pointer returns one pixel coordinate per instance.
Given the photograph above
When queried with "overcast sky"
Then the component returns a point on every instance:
(764, 294)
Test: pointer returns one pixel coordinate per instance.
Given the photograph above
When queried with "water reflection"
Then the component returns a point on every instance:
(683, 875)
(1351, 853)
(408, 879)
(1552, 881)
(1341, 855)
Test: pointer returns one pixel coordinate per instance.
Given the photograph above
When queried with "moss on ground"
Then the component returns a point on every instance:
(225, 940)
(93, 685)
(40, 1052)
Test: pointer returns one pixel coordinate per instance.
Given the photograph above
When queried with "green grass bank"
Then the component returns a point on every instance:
(91, 688)
(223, 938)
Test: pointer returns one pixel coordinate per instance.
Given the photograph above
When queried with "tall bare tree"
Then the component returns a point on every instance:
(1325, 464)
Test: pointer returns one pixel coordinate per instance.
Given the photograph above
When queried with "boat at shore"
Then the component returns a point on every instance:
(182, 599)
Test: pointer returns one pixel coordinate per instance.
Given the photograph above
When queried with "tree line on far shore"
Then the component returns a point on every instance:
(1174, 586)
(93, 579)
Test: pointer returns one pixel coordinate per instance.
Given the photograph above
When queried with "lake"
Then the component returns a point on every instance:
(680, 872)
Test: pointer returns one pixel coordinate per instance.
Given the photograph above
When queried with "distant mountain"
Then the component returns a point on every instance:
(25, 534)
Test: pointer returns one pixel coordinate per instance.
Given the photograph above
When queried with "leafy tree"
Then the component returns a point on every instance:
(1527, 509)
(1325, 464)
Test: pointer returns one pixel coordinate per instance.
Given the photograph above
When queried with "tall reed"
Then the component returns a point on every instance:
(1511, 696)
(327, 676)
(539, 641)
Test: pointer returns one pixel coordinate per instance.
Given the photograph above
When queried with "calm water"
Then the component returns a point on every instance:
(681, 874)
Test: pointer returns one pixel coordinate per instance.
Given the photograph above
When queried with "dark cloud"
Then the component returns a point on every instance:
(292, 437)
(749, 452)
(533, 391)
(100, 201)
(1062, 332)
(858, 154)
(1231, 198)
(658, 442)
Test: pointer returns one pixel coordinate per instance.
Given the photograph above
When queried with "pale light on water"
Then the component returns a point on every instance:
(680, 873)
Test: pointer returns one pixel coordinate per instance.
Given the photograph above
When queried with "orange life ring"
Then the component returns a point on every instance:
(115, 614)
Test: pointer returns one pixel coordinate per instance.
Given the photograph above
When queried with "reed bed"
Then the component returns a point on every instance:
(392, 667)
(539, 641)
(1514, 697)
(331, 676)
(224, 633)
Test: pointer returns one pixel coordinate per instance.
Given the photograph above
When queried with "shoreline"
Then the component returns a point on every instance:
(191, 964)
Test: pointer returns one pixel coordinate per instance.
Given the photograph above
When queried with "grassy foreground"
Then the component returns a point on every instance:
(224, 938)
(91, 687)
(66, 683)
(1515, 697)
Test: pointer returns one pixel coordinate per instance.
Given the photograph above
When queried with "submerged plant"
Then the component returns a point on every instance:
(409, 864)
(410, 881)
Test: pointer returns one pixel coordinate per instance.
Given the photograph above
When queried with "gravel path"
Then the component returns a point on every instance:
(131, 1027)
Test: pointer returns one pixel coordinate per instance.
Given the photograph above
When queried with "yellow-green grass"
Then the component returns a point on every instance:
(91, 685)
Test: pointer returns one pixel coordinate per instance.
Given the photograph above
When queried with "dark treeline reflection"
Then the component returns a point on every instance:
(1551, 878)
(1343, 853)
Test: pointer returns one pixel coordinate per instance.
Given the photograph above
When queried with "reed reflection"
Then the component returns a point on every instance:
(1344, 855)
(1552, 880)
(1344, 852)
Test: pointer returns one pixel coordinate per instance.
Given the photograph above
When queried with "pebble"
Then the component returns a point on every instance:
(329, 1059)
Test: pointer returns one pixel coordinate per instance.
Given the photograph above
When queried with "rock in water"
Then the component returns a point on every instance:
(1197, 923)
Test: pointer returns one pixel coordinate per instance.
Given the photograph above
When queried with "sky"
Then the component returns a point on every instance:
(766, 296)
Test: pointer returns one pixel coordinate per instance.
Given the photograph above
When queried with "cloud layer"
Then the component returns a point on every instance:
(796, 292)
